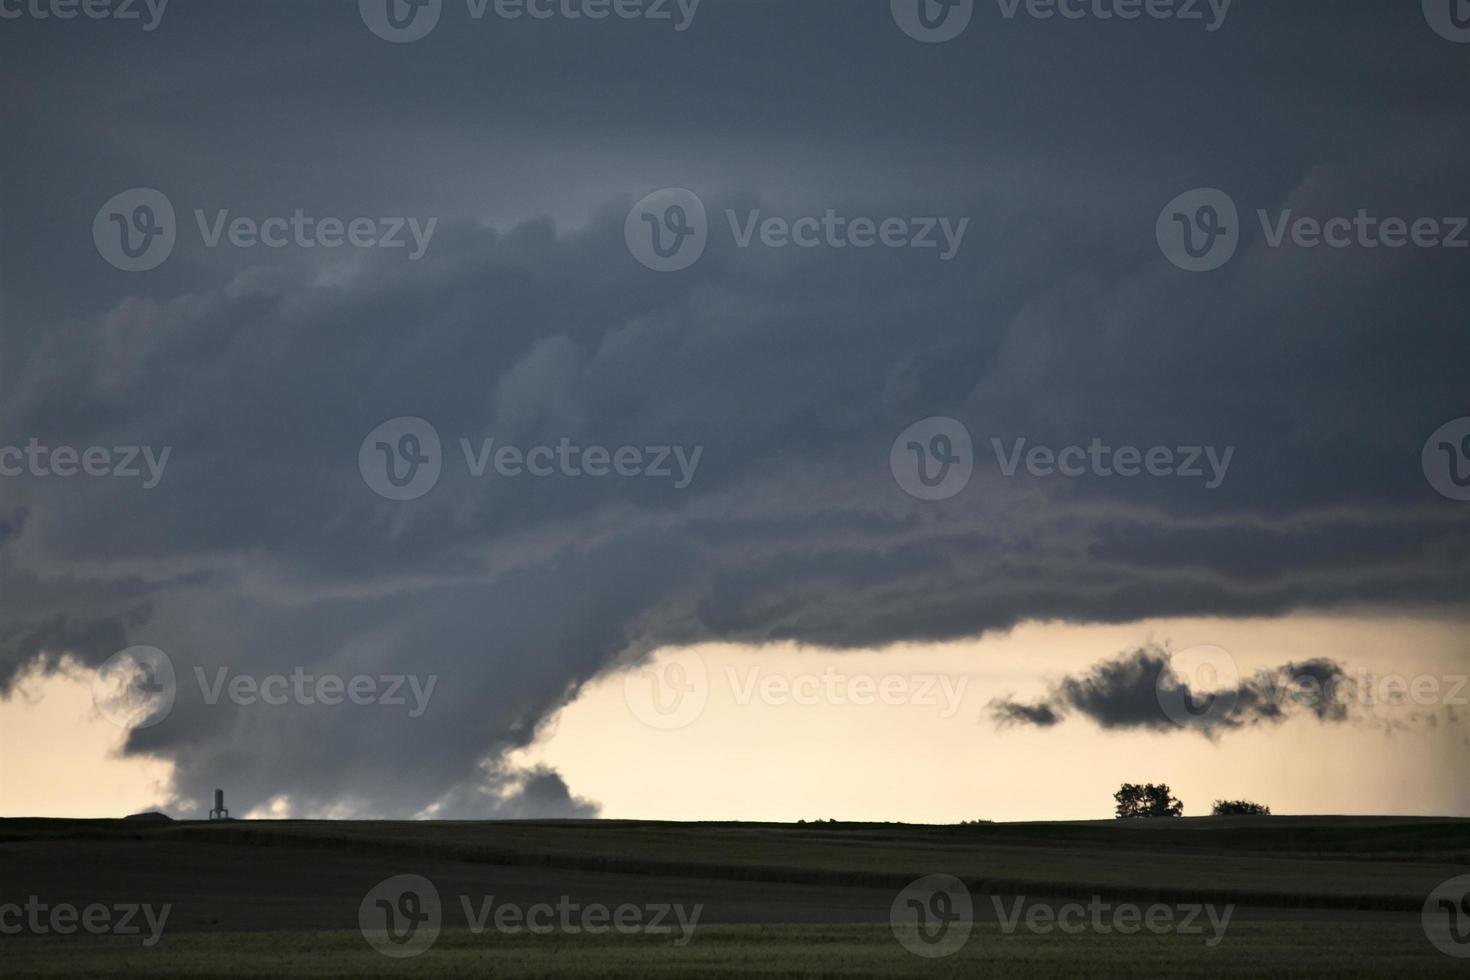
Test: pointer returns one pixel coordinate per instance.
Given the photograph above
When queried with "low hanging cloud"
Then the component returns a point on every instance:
(538, 792)
(1134, 690)
(263, 551)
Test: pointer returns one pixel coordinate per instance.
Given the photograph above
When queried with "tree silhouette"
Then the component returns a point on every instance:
(1239, 808)
(1146, 801)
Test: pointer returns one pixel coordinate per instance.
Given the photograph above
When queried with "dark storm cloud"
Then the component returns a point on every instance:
(1132, 690)
(1014, 713)
(535, 793)
(528, 321)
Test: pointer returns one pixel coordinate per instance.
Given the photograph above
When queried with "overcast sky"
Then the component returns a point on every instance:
(1047, 150)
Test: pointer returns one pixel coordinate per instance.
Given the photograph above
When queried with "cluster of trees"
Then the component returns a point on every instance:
(1134, 801)
(1146, 801)
(1239, 808)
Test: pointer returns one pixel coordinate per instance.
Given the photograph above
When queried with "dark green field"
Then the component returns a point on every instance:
(1316, 896)
(1258, 950)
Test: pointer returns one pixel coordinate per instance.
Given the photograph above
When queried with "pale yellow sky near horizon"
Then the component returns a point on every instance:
(750, 757)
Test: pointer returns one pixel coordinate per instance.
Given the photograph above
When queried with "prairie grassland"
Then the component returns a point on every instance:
(1269, 949)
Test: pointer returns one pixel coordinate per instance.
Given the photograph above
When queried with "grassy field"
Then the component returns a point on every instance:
(1317, 897)
(1318, 862)
(1256, 950)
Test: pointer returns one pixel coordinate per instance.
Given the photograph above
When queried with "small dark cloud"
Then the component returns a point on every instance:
(1130, 691)
(1012, 713)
